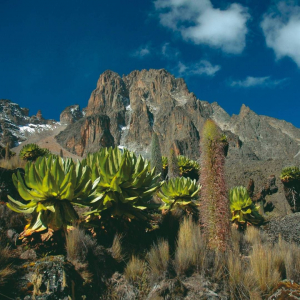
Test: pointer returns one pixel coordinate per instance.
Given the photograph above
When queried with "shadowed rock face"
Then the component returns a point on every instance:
(145, 101)
(87, 135)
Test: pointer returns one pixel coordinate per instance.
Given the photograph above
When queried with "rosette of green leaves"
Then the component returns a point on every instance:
(126, 183)
(242, 208)
(50, 188)
(289, 174)
(31, 152)
(179, 192)
(187, 167)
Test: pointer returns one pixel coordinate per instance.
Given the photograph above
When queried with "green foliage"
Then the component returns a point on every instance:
(156, 159)
(242, 208)
(290, 174)
(214, 204)
(31, 152)
(187, 167)
(127, 183)
(50, 188)
(179, 192)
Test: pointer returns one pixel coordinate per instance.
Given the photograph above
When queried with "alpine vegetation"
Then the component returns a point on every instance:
(214, 202)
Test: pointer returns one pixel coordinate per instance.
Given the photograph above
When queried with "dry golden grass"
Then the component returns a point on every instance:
(264, 264)
(190, 253)
(134, 269)
(12, 163)
(74, 245)
(158, 259)
(254, 236)
(287, 259)
(116, 248)
(6, 270)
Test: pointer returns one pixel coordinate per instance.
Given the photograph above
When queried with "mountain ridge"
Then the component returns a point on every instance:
(154, 100)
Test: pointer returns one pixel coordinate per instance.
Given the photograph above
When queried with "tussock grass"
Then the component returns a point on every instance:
(134, 269)
(6, 269)
(12, 163)
(264, 267)
(158, 259)
(253, 236)
(190, 253)
(79, 248)
(116, 248)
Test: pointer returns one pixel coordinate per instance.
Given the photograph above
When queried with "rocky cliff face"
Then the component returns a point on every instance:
(70, 115)
(16, 125)
(146, 101)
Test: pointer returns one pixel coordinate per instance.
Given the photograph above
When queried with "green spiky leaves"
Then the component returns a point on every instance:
(289, 174)
(187, 167)
(127, 183)
(31, 152)
(50, 188)
(179, 192)
(242, 208)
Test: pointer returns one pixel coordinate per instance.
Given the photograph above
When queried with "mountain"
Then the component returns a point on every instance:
(16, 125)
(124, 111)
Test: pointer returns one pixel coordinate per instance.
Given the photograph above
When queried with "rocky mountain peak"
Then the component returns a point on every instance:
(154, 100)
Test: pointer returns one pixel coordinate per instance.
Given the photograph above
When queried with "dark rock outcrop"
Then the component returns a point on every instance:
(87, 135)
(52, 277)
(287, 227)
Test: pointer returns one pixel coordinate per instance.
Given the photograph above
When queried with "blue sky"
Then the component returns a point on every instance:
(232, 52)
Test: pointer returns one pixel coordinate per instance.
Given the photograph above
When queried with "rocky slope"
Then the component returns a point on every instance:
(135, 105)
(16, 125)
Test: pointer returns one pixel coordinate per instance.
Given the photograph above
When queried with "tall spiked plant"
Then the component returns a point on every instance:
(214, 204)
(156, 158)
(126, 183)
(180, 193)
(50, 188)
(173, 169)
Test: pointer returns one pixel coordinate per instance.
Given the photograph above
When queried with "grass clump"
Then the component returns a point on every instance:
(134, 269)
(190, 253)
(12, 163)
(6, 269)
(158, 259)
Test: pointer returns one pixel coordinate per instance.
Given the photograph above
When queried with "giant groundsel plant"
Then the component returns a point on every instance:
(242, 208)
(50, 188)
(126, 183)
(180, 193)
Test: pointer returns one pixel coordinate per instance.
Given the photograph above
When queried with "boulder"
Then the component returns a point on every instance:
(52, 277)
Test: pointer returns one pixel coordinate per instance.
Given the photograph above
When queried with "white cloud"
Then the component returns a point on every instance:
(201, 23)
(281, 28)
(142, 52)
(203, 67)
(169, 52)
(257, 82)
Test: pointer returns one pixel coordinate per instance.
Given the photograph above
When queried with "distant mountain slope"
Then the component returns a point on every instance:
(16, 125)
(126, 110)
